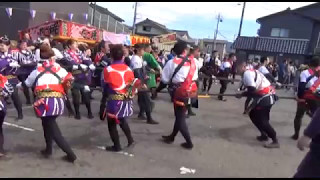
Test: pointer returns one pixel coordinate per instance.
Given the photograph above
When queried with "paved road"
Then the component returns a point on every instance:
(224, 140)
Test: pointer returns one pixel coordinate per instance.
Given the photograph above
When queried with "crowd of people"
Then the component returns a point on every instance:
(52, 69)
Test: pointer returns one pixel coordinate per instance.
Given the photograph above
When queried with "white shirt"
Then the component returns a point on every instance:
(249, 77)
(263, 70)
(57, 53)
(181, 75)
(217, 62)
(47, 78)
(311, 82)
(225, 64)
(200, 62)
(137, 62)
(304, 75)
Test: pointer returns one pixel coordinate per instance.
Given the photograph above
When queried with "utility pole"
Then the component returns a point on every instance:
(216, 32)
(243, 8)
(134, 19)
(94, 13)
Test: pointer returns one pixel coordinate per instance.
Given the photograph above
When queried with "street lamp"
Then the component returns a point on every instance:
(243, 8)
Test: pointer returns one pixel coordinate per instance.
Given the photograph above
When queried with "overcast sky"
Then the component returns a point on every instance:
(199, 18)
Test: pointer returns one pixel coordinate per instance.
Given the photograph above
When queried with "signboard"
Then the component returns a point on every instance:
(165, 39)
(61, 29)
(135, 39)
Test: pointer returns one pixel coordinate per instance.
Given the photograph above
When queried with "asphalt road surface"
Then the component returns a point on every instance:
(224, 144)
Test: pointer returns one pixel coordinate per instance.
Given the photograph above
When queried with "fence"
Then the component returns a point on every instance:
(107, 22)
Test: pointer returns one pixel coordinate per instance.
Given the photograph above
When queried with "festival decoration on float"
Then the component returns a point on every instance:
(53, 15)
(33, 13)
(70, 15)
(135, 39)
(9, 12)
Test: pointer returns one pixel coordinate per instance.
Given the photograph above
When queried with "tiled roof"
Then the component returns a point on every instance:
(277, 45)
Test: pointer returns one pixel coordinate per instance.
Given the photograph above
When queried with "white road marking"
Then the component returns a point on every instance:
(184, 170)
(120, 152)
(17, 126)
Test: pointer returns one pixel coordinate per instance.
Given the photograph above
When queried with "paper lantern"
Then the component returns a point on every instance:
(9, 12)
(53, 15)
(85, 15)
(33, 13)
(70, 15)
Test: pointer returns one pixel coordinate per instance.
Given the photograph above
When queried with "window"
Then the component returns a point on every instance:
(279, 32)
(146, 28)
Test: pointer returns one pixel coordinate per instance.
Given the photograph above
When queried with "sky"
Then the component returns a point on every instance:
(200, 18)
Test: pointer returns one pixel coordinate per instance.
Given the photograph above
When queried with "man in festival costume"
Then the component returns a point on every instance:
(263, 69)
(303, 92)
(224, 72)
(139, 68)
(51, 83)
(120, 85)
(27, 63)
(310, 165)
(6, 89)
(264, 97)
(8, 68)
(181, 75)
(80, 66)
(210, 69)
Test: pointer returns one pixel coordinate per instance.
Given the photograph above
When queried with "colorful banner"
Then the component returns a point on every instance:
(113, 38)
(80, 31)
(45, 30)
(135, 39)
(165, 39)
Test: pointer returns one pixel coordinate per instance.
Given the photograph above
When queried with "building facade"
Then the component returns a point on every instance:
(289, 34)
(221, 47)
(21, 18)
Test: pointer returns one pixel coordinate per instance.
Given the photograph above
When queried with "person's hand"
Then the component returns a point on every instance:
(83, 66)
(300, 100)
(239, 95)
(303, 142)
(75, 67)
(278, 84)
(86, 89)
(14, 64)
(92, 67)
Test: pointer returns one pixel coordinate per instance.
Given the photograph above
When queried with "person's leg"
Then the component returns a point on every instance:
(204, 84)
(69, 107)
(103, 102)
(126, 129)
(210, 84)
(254, 117)
(112, 126)
(141, 105)
(17, 103)
(183, 128)
(59, 139)
(169, 139)
(298, 119)
(26, 93)
(86, 99)
(47, 132)
(147, 107)
(2, 116)
(222, 89)
(76, 102)
(246, 104)
(267, 128)
(161, 86)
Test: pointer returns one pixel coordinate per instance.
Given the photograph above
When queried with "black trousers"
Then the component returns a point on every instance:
(26, 93)
(144, 103)
(180, 124)
(223, 88)
(68, 105)
(52, 133)
(103, 102)
(309, 166)
(17, 102)
(246, 103)
(260, 117)
(2, 116)
(112, 126)
(161, 86)
(76, 96)
(301, 109)
(205, 80)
